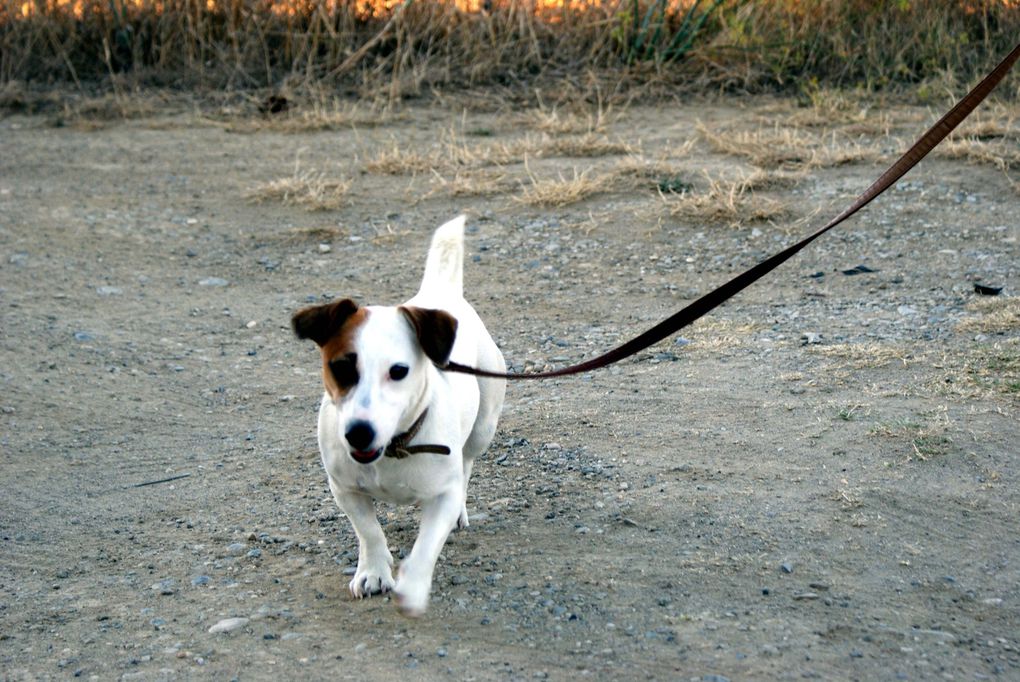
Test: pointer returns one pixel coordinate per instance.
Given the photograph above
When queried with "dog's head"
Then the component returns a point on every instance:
(375, 364)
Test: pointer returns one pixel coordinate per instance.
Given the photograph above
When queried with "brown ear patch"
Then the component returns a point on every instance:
(320, 323)
(332, 327)
(436, 331)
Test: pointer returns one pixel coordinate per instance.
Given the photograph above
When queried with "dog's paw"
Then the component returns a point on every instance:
(369, 580)
(462, 520)
(412, 595)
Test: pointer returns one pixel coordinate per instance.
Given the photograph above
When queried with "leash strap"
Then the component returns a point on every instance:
(718, 296)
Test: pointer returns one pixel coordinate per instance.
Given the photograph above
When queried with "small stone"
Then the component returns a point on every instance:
(441, 652)
(254, 553)
(360, 648)
(213, 282)
(200, 580)
(236, 548)
(165, 586)
(810, 338)
(786, 567)
(325, 248)
(805, 595)
(228, 625)
(458, 580)
(84, 336)
(109, 291)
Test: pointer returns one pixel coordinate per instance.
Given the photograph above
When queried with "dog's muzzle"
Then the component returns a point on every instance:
(360, 437)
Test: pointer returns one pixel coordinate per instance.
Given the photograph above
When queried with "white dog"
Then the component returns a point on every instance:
(392, 426)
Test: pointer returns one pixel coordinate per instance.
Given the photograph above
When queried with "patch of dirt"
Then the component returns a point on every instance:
(821, 479)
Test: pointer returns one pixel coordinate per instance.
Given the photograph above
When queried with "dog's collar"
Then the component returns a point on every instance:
(398, 448)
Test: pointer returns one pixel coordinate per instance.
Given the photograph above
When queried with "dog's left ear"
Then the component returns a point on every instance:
(435, 329)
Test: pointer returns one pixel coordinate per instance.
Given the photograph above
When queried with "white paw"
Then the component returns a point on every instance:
(462, 520)
(371, 578)
(412, 595)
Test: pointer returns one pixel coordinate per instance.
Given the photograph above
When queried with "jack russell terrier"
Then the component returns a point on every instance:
(392, 426)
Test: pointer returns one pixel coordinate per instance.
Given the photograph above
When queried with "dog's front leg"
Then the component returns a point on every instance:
(414, 579)
(374, 573)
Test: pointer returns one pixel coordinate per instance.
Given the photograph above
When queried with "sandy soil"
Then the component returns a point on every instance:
(821, 480)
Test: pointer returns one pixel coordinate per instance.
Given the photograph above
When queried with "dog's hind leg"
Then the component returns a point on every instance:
(374, 574)
(490, 404)
(462, 520)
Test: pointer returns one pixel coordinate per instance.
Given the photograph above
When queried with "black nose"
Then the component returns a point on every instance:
(360, 435)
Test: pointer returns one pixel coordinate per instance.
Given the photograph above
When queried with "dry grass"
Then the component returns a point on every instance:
(715, 335)
(398, 161)
(563, 191)
(555, 121)
(789, 149)
(1001, 153)
(471, 184)
(587, 47)
(588, 145)
(726, 202)
(314, 115)
(313, 190)
(865, 356)
(926, 436)
(992, 315)
(993, 120)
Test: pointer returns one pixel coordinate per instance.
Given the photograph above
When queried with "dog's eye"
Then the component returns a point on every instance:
(398, 372)
(345, 370)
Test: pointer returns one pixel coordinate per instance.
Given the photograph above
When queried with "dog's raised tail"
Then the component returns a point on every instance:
(444, 266)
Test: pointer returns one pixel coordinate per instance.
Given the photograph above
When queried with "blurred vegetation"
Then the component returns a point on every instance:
(406, 49)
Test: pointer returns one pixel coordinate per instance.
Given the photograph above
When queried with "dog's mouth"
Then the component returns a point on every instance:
(366, 456)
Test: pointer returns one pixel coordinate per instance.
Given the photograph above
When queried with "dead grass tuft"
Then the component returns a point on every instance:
(726, 202)
(556, 122)
(314, 117)
(992, 315)
(561, 191)
(719, 334)
(864, 356)
(398, 161)
(639, 172)
(994, 120)
(927, 435)
(311, 189)
(788, 149)
(588, 145)
(470, 184)
(999, 153)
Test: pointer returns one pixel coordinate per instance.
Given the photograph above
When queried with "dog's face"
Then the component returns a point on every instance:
(375, 365)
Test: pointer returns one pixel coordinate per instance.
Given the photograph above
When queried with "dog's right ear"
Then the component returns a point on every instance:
(320, 323)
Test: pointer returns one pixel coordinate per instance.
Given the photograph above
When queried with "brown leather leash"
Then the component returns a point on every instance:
(718, 296)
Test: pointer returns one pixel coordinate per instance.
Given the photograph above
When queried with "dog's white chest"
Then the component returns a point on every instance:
(369, 481)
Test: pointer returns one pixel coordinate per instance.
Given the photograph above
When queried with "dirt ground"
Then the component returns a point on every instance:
(820, 480)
